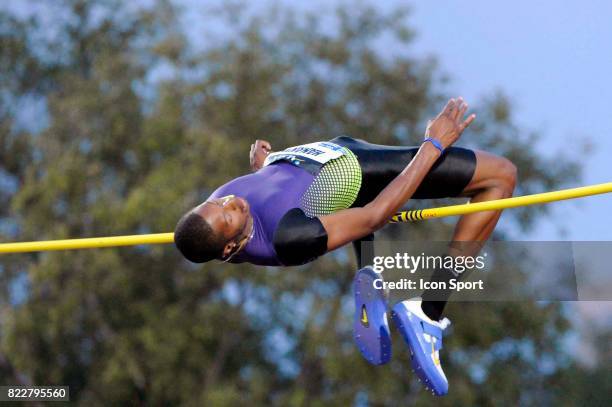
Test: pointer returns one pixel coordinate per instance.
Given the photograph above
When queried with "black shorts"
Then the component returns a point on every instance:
(380, 164)
(299, 239)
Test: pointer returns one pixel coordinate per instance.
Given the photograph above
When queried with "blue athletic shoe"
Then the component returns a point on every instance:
(370, 327)
(424, 338)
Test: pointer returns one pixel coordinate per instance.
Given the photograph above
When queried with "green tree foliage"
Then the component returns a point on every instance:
(141, 120)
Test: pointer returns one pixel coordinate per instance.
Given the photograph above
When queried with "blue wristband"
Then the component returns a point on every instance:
(436, 144)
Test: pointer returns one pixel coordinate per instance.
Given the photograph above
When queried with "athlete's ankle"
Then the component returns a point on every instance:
(433, 309)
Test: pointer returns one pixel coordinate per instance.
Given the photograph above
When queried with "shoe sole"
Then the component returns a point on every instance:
(413, 343)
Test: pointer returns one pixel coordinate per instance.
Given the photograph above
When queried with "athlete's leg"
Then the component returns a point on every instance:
(364, 253)
(494, 178)
(459, 172)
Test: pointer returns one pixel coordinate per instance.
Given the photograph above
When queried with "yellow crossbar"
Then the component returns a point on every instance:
(407, 216)
(89, 243)
(495, 205)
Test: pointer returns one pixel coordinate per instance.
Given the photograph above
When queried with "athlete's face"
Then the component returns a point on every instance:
(229, 216)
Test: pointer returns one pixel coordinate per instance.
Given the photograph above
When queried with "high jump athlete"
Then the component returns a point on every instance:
(305, 201)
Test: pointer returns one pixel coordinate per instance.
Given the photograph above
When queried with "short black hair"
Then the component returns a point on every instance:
(196, 239)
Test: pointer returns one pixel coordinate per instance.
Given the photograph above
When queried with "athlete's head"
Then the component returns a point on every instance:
(215, 229)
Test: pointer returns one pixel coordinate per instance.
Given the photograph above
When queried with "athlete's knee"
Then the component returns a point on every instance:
(506, 176)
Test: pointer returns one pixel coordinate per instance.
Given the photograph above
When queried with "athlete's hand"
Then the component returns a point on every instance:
(450, 123)
(258, 154)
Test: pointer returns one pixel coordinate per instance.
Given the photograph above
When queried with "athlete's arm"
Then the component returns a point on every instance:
(351, 224)
(258, 154)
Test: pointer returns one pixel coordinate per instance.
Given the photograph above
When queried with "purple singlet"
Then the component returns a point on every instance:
(271, 192)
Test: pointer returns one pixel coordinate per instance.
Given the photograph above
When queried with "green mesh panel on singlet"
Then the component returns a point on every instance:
(335, 187)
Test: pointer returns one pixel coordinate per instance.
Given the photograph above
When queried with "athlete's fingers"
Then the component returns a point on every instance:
(467, 122)
(450, 106)
(462, 109)
(266, 145)
(458, 107)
